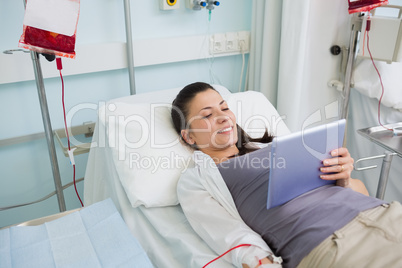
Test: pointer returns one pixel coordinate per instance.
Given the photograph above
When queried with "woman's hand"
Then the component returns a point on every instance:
(341, 166)
(263, 261)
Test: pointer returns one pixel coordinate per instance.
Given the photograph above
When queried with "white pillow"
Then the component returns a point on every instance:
(148, 156)
(147, 153)
(254, 113)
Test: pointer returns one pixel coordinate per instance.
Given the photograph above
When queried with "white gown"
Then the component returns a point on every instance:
(211, 211)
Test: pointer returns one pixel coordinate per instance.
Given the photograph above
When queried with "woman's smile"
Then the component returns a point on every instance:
(227, 130)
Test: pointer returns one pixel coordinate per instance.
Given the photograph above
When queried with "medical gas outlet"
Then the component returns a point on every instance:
(199, 4)
(211, 4)
(169, 4)
(195, 4)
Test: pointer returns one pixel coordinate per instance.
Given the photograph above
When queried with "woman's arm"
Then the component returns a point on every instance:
(342, 165)
(216, 226)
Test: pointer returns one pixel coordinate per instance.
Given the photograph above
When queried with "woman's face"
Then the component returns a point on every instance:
(211, 125)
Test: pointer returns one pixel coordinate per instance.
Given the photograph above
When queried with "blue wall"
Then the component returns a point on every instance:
(26, 172)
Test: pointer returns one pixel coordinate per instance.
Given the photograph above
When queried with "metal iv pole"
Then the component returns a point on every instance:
(129, 47)
(45, 110)
(386, 164)
(354, 38)
(48, 128)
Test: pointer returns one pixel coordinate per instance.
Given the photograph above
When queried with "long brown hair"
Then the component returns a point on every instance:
(180, 111)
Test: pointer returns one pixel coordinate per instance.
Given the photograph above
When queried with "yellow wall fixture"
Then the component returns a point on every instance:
(169, 4)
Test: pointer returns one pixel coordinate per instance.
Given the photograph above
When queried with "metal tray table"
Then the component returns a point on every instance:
(389, 140)
(384, 137)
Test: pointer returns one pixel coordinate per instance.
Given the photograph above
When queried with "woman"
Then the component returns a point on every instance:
(224, 199)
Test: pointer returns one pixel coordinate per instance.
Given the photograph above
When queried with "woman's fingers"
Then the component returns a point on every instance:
(340, 152)
(339, 167)
(341, 156)
(336, 172)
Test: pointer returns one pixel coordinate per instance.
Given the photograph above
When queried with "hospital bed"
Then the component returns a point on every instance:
(136, 160)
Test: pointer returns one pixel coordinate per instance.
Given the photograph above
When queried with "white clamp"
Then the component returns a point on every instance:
(337, 84)
(71, 155)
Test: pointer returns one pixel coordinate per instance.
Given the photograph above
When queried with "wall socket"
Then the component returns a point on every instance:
(230, 42)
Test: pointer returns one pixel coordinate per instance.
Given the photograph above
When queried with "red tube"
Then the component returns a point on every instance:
(368, 25)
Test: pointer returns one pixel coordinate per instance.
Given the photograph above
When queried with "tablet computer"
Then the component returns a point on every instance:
(296, 160)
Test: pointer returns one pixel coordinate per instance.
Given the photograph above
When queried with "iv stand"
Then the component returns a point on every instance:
(129, 47)
(354, 38)
(48, 129)
(45, 111)
(386, 165)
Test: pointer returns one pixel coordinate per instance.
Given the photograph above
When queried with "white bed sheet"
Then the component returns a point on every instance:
(163, 232)
(95, 236)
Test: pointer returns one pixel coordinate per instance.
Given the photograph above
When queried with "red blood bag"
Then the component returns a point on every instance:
(364, 5)
(50, 26)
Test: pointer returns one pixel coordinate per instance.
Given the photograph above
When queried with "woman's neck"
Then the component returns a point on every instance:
(220, 156)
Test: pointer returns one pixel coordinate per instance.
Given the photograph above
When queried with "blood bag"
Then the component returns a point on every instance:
(364, 5)
(50, 26)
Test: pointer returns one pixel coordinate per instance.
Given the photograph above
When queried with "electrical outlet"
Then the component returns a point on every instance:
(217, 44)
(231, 42)
(243, 41)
